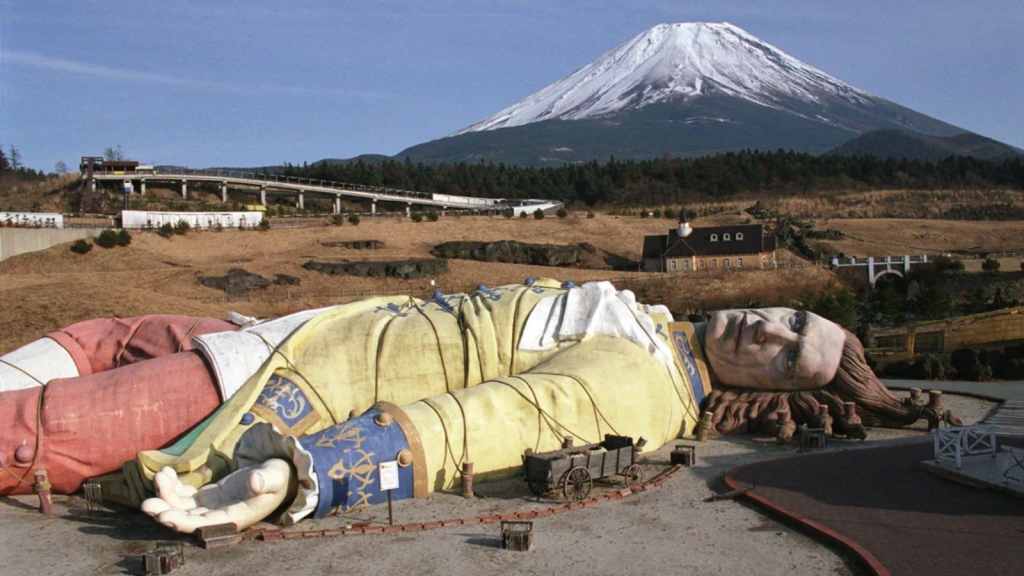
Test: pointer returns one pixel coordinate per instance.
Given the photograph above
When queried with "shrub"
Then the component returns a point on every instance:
(165, 230)
(538, 214)
(591, 215)
(182, 228)
(523, 215)
(218, 227)
(354, 219)
(337, 219)
(123, 237)
(644, 214)
(670, 213)
(508, 214)
(657, 214)
(264, 224)
(81, 247)
(107, 239)
(432, 216)
(562, 213)
(990, 265)
(417, 217)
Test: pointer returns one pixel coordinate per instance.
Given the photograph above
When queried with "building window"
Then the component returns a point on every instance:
(701, 265)
(686, 264)
(739, 235)
(672, 265)
(739, 262)
(714, 263)
(725, 237)
(725, 263)
(714, 237)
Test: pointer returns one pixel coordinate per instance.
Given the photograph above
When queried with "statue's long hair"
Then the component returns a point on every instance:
(734, 410)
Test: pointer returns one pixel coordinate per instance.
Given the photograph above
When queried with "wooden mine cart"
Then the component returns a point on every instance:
(573, 470)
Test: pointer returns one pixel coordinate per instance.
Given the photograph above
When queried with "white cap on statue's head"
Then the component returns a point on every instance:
(684, 229)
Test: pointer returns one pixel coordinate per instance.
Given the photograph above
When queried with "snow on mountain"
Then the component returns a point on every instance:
(680, 61)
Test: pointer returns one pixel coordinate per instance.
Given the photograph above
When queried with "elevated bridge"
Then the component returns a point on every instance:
(874, 267)
(264, 183)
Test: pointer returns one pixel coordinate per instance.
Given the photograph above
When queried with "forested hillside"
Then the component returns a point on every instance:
(674, 180)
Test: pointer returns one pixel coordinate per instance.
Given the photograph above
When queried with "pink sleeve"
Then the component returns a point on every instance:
(106, 343)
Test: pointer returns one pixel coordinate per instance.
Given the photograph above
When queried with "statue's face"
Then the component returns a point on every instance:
(775, 349)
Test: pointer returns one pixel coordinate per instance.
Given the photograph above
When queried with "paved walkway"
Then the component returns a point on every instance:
(900, 519)
(999, 390)
(1008, 417)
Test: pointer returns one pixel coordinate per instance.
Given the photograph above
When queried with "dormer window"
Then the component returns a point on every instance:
(739, 235)
(714, 237)
(725, 237)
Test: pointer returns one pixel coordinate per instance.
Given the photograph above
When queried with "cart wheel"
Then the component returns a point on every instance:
(576, 484)
(634, 476)
(539, 488)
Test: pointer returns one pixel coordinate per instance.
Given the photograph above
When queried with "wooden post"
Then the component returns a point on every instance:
(42, 488)
(467, 479)
(391, 512)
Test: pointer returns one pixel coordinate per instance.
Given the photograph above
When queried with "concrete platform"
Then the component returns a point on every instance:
(985, 472)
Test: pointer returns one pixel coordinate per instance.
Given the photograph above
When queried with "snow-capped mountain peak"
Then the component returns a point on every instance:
(677, 61)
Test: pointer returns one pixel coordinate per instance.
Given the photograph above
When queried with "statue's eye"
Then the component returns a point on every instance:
(799, 321)
(791, 359)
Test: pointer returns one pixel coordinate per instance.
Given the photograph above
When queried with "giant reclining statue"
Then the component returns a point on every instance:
(289, 418)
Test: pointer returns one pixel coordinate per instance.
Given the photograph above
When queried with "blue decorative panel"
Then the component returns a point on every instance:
(345, 459)
(283, 404)
(682, 346)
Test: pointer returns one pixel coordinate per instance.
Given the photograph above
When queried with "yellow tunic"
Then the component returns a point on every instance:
(466, 389)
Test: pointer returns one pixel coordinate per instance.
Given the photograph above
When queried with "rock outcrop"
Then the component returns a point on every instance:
(510, 252)
(405, 269)
(239, 281)
(355, 244)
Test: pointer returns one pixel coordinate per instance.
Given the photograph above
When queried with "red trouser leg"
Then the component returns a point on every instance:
(93, 424)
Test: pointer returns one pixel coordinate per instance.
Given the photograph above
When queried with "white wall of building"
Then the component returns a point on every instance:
(139, 219)
(31, 220)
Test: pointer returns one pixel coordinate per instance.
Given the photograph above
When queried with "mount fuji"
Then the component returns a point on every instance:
(681, 89)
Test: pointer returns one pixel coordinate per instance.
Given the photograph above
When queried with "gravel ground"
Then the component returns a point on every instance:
(672, 529)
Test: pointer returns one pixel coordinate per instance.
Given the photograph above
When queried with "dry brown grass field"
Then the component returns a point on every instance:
(881, 237)
(45, 290)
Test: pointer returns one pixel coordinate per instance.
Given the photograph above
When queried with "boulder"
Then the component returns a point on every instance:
(995, 359)
(964, 360)
(927, 367)
(1014, 369)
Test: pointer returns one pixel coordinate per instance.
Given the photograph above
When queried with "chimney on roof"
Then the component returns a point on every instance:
(684, 229)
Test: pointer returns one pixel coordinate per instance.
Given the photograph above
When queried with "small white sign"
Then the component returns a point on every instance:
(388, 472)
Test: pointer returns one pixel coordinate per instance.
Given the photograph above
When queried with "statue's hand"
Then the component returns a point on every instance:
(242, 498)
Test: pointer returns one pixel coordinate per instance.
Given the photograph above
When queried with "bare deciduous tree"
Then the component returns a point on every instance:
(61, 168)
(111, 154)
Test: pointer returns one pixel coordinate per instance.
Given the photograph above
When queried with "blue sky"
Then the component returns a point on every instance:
(230, 83)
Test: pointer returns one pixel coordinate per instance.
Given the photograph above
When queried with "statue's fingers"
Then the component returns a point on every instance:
(198, 511)
(166, 484)
(181, 521)
(271, 477)
(154, 506)
(186, 490)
